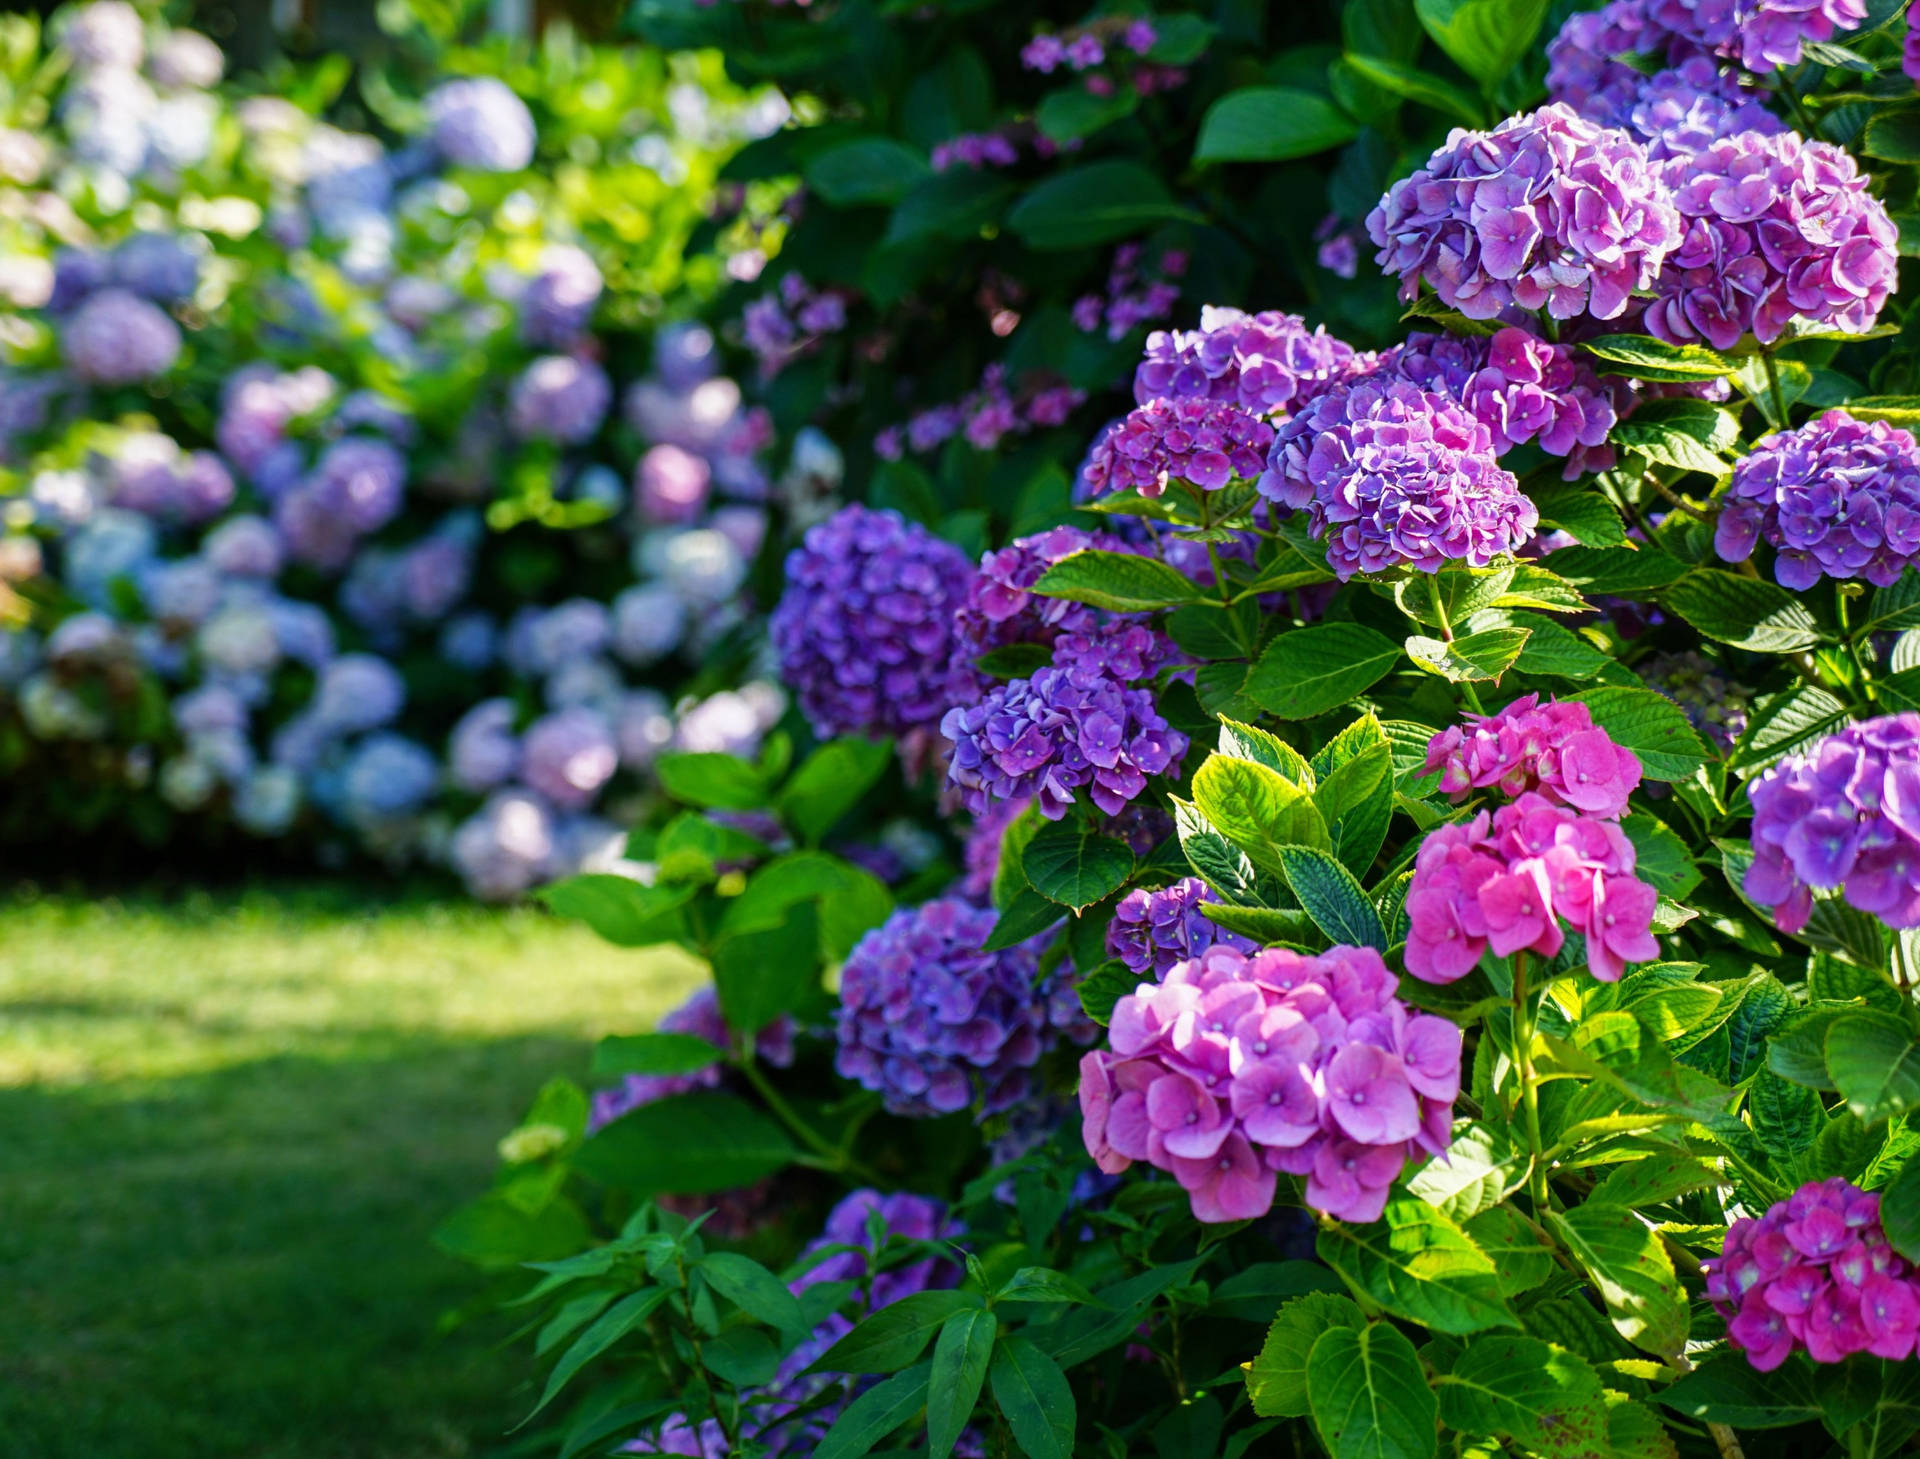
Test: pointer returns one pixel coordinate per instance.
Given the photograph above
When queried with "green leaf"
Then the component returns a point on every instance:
(1027, 915)
(1519, 1254)
(1689, 434)
(1336, 902)
(955, 204)
(1744, 612)
(1630, 1270)
(1043, 1284)
(1035, 1398)
(1118, 581)
(712, 780)
(866, 170)
(1311, 670)
(755, 1291)
(1277, 1377)
(1646, 358)
(875, 1414)
(618, 908)
(1893, 135)
(1244, 742)
(1781, 723)
(1484, 38)
(1083, 207)
(1661, 859)
(1356, 803)
(1258, 809)
(1875, 1064)
(1581, 512)
(1105, 986)
(893, 1337)
(1420, 87)
(1546, 1399)
(1086, 1332)
(1894, 607)
(1729, 1390)
(1069, 115)
(688, 1144)
(1649, 724)
(1651, 1179)
(653, 1053)
(1472, 656)
(1256, 1293)
(1271, 124)
(1214, 859)
(1627, 572)
(829, 783)
(1419, 1265)
(1482, 1166)
(1556, 652)
(742, 1356)
(1066, 863)
(612, 1325)
(1900, 1210)
(1369, 1395)
(960, 1357)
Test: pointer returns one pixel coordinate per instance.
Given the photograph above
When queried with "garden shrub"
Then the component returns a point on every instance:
(1416, 955)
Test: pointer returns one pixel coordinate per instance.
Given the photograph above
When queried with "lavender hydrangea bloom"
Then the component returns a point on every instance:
(1060, 732)
(1775, 227)
(864, 631)
(1910, 49)
(118, 338)
(483, 750)
(1395, 476)
(107, 35)
(1762, 35)
(358, 692)
(1843, 815)
(1153, 930)
(933, 1023)
(478, 122)
(1200, 441)
(1688, 107)
(187, 60)
(1266, 363)
(505, 847)
(568, 756)
(559, 398)
(157, 266)
(560, 299)
(1836, 498)
(1715, 704)
(1546, 211)
(387, 777)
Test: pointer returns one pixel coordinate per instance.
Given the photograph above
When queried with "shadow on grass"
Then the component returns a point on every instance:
(237, 1263)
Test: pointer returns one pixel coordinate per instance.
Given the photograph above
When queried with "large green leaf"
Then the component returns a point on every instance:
(688, 1144)
(1258, 809)
(1271, 124)
(1645, 358)
(1101, 202)
(620, 909)
(712, 780)
(1546, 1399)
(1689, 434)
(1421, 87)
(1337, 902)
(1066, 863)
(954, 204)
(1311, 670)
(1729, 1390)
(830, 782)
(1419, 1265)
(875, 1414)
(1472, 656)
(612, 1325)
(1277, 1377)
(1875, 1063)
(1485, 38)
(1257, 1292)
(1784, 722)
(961, 1355)
(1035, 1398)
(1900, 1210)
(755, 1291)
(653, 1053)
(1631, 1271)
(866, 170)
(895, 1336)
(1649, 724)
(1356, 802)
(767, 972)
(1118, 581)
(1744, 612)
(1369, 1395)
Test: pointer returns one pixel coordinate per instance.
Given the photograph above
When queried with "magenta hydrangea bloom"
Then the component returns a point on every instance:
(1064, 730)
(1554, 750)
(1240, 1066)
(935, 1024)
(1775, 228)
(1265, 363)
(865, 629)
(1507, 881)
(1836, 497)
(1395, 476)
(1817, 1273)
(700, 1016)
(1207, 443)
(1844, 814)
(1151, 931)
(1546, 211)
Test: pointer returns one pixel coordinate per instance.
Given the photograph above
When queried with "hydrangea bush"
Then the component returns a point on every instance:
(1408, 950)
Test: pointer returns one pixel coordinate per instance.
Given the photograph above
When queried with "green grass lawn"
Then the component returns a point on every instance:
(227, 1127)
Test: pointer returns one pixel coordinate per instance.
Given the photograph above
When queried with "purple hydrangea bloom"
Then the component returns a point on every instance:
(1775, 227)
(358, 692)
(568, 756)
(505, 847)
(1546, 211)
(1844, 814)
(981, 855)
(935, 1024)
(1836, 498)
(1910, 49)
(244, 546)
(1762, 35)
(157, 266)
(1204, 442)
(864, 631)
(1060, 732)
(1153, 930)
(1395, 476)
(483, 750)
(478, 122)
(670, 485)
(560, 299)
(1688, 107)
(1715, 705)
(118, 338)
(649, 622)
(356, 487)
(1266, 363)
(1582, 69)
(700, 1016)
(559, 398)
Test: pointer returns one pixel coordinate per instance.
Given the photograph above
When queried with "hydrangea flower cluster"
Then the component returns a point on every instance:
(985, 416)
(1683, 110)
(119, 338)
(1554, 750)
(1546, 211)
(1844, 815)
(1240, 1066)
(1716, 705)
(1817, 1274)
(478, 122)
(1084, 47)
(1507, 882)
(790, 321)
(1133, 296)
(936, 1025)
(1266, 363)
(1204, 442)
(699, 1016)
(865, 629)
(1774, 228)
(1836, 497)
(1762, 35)
(1395, 476)
(1152, 931)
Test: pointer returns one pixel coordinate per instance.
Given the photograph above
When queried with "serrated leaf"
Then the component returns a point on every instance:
(1543, 1397)
(1311, 670)
(1744, 612)
(1631, 1271)
(1027, 915)
(1119, 581)
(1627, 572)
(1520, 1256)
(1689, 434)
(1555, 652)
(1214, 859)
(1730, 1390)
(1582, 513)
(1331, 896)
(1258, 809)
(1874, 1062)
(1245, 742)
(1646, 358)
(1066, 863)
(619, 909)
(1419, 1265)
(1277, 1377)
(1783, 723)
(1661, 859)
(1649, 724)
(1471, 657)
(1257, 1293)
(1105, 986)
(1369, 1395)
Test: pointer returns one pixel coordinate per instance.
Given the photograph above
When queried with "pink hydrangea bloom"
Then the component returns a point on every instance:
(1241, 1066)
(1508, 881)
(1554, 749)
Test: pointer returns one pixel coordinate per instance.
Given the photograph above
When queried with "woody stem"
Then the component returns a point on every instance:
(1523, 1030)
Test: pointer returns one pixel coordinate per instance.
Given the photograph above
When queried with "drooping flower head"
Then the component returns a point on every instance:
(1553, 749)
(1395, 476)
(1844, 814)
(1241, 1065)
(865, 628)
(1153, 930)
(1836, 497)
(1265, 363)
(1508, 881)
(1204, 442)
(935, 1024)
(1546, 211)
(1775, 228)
(1816, 1273)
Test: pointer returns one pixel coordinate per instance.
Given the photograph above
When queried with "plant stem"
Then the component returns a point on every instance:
(832, 1157)
(1853, 642)
(1467, 690)
(1675, 498)
(1523, 1029)
(1773, 386)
